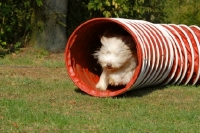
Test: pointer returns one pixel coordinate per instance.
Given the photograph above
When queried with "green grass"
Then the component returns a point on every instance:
(43, 99)
(36, 57)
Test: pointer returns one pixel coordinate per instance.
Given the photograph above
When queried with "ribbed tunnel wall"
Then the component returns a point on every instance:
(167, 54)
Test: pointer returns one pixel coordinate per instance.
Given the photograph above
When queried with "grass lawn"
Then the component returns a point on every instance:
(37, 96)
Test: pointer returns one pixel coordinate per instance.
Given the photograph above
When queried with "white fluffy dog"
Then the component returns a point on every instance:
(117, 56)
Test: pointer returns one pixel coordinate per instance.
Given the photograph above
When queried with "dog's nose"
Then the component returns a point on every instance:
(109, 65)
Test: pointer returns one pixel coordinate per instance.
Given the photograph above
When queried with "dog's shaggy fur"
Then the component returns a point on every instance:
(118, 59)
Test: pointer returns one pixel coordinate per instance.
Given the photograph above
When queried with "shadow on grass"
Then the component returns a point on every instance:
(77, 90)
(141, 92)
(2, 53)
(132, 93)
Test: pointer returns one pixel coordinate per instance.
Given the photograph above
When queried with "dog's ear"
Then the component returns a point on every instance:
(100, 36)
(127, 39)
(103, 40)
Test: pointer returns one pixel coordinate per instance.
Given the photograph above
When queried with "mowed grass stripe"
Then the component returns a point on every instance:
(46, 100)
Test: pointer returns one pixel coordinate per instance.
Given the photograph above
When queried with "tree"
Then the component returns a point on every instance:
(50, 26)
(48, 23)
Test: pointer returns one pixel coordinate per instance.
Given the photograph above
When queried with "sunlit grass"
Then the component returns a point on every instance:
(30, 57)
(45, 100)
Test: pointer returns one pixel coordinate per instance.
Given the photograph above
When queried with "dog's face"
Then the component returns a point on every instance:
(114, 52)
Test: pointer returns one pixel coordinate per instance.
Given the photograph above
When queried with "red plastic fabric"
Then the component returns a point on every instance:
(167, 54)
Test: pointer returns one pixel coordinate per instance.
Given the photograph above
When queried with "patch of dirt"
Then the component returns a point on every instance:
(52, 56)
(36, 72)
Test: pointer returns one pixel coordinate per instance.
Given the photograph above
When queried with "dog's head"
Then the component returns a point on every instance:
(115, 51)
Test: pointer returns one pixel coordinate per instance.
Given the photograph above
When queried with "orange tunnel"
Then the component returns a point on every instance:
(167, 54)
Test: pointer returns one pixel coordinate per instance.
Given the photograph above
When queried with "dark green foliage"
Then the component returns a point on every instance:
(82, 10)
(150, 10)
(183, 12)
(77, 13)
(15, 22)
(17, 17)
(157, 11)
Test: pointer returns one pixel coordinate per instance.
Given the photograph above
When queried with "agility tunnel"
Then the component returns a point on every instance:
(167, 54)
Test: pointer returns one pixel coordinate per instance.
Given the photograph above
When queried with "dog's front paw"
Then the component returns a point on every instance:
(101, 86)
(103, 81)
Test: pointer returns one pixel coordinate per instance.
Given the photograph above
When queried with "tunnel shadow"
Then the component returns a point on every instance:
(141, 92)
(3, 53)
(132, 93)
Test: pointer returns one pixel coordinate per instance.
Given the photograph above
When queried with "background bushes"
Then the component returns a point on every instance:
(156, 11)
(17, 18)
(15, 22)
